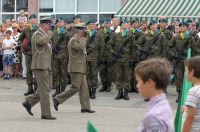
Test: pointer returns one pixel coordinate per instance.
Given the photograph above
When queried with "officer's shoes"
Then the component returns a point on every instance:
(28, 107)
(55, 104)
(87, 111)
(48, 117)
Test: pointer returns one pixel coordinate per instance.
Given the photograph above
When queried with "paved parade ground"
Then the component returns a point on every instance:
(110, 116)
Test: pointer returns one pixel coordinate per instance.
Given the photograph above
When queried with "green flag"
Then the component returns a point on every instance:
(91, 127)
(185, 87)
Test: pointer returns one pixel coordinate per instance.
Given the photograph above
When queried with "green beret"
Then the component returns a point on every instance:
(32, 16)
(135, 19)
(189, 21)
(107, 20)
(59, 19)
(122, 21)
(183, 24)
(70, 21)
(77, 16)
(91, 21)
(152, 22)
(163, 20)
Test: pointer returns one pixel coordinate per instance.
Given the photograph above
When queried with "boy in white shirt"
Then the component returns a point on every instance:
(8, 54)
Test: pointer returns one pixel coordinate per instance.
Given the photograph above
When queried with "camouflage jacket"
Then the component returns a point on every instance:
(26, 33)
(62, 50)
(178, 46)
(106, 54)
(94, 47)
(117, 43)
(150, 49)
(135, 52)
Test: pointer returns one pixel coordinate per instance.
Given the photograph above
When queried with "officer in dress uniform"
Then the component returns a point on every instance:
(77, 69)
(41, 66)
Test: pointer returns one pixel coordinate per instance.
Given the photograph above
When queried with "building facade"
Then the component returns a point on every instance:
(87, 9)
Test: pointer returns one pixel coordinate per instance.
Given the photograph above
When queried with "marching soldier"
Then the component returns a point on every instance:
(77, 19)
(136, 32)
(77, 68)
(41, 66)
(177, 51)
(122, 49)
(106, 68)
(93, 47)
(60, 58)
(27, 33)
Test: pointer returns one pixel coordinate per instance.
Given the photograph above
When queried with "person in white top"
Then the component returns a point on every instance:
(8, 54)
(22, 16)
(8, 25)
(16, 48)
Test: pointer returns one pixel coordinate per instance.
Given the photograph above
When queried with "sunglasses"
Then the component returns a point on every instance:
(193, 25)
(14, 27)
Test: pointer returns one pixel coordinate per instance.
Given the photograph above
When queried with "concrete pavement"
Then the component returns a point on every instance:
(110, 116)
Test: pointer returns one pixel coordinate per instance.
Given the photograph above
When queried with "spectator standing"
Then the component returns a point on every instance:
(8, 54)
(22, 16)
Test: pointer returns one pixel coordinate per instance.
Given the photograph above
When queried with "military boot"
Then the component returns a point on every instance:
(178, 98)
(30, 90)
(132, 89)
(93, 93)
(90, 91)
(120, 94)
(103, 88)
(35, 87)
(108, 88)
(62, 89)
(56, 92)
(126, 94)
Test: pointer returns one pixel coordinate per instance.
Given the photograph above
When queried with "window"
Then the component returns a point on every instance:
(7, 16)
(66, 17)
(109, 5)
(8, 5)
(103, 16)
(88, 17)
(65, 5)
(87, 5)
(46, 5)
(22, 4)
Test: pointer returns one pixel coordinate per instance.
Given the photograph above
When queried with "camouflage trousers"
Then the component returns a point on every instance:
(29, 72)
(123, 73)
(60, 74)
(92, 74)
(106, 73)
(179, 75)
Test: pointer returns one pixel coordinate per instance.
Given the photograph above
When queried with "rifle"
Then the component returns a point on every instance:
(179, 54)
(55, 49)
(147, 51)
(119, 53)
(89, 46)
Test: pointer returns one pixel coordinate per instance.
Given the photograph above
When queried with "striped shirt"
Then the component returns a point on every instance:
(193, 100)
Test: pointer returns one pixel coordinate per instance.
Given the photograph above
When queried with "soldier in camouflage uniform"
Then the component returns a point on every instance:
(136, 32)
(93, 47)
(178, 47)
(122, 49)
(163, 28)
(106, 68)
(27, 33)
(60, 58)
(152, 44)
